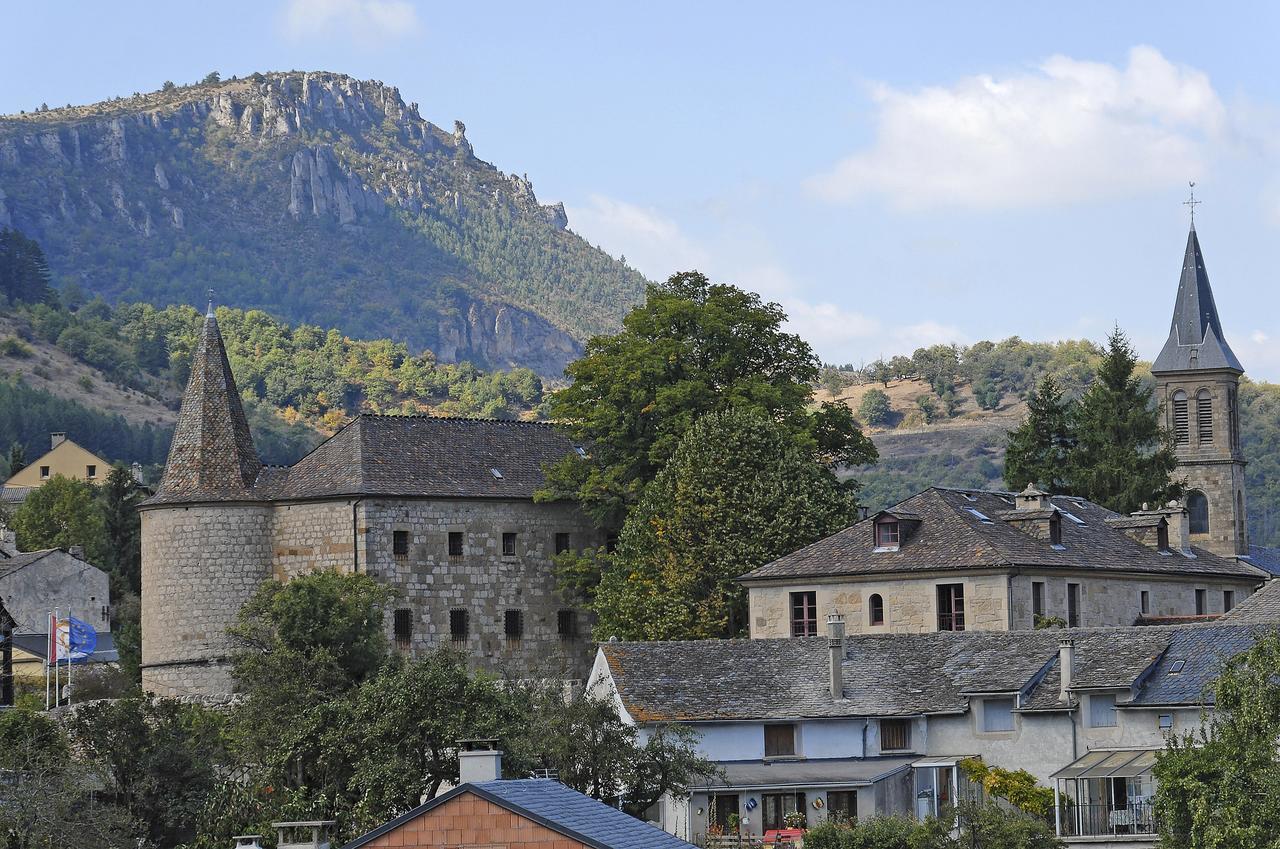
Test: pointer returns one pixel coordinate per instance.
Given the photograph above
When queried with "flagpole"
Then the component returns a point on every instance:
(48, 655)
(70, 690)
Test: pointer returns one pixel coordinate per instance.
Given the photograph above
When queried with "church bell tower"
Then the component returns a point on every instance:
(1197, 383)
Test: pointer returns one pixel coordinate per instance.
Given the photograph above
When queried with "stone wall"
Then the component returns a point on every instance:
(1108, 600)
(200, 564)
(56, 581)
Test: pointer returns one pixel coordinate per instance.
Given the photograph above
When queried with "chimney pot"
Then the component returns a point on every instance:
(248, 841)
(835, 652)
(56, 439)
(1066, 667)
(1031, 498)
(479, 761)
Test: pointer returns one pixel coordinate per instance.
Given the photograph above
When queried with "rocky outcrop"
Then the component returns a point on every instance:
(502, 335)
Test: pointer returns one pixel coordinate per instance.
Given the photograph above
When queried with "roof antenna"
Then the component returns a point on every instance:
(209, 314)
(1191, 204)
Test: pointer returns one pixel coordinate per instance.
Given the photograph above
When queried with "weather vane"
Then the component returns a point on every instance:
(1191, 204)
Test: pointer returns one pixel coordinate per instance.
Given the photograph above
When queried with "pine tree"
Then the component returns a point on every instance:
(120, 496)
(17, 458)
(1038, 448)
(1122, 456)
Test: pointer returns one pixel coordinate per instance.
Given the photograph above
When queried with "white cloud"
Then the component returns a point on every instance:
(654, 244)
(1065, 131)
(368, 21)
(1258, 337)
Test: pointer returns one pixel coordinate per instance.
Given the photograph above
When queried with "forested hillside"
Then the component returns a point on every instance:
(318, 198)
(941, 417)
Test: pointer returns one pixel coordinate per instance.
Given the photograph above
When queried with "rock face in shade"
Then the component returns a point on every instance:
(320, 198)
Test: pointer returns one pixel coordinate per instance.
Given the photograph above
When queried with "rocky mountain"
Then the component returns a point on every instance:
(318, 197)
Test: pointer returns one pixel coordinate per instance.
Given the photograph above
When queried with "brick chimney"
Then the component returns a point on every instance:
(1032, 498)
(56, 439)
(1066, 667)
(835, 654)
(478, 761)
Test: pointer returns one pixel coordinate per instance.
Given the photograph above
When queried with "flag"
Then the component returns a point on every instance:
(73, 640)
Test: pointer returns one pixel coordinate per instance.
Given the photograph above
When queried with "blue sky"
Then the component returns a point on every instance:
(893, 174)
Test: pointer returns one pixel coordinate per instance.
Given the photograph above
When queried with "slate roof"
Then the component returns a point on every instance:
(905, 674)
(953, 534)
(13, 562)
(211, 457)
(424, 455)
(554, 806)
(1195, 330)
(1265, 557)
(1261, 608)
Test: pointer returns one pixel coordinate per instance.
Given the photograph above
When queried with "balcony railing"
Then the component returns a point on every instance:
(1102, 820)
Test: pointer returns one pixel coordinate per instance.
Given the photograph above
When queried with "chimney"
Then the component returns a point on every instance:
(248, 841)
(1032, 498)
(835, 651)
(56, 439)
(1066, 667)
(1179, 527)
(479, 760)
(136, 471)
(308, 834)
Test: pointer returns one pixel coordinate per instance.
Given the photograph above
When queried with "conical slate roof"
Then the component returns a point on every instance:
(212, 456)
(1195, 336)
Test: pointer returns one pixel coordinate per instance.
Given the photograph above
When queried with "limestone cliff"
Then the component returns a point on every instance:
(315, 196)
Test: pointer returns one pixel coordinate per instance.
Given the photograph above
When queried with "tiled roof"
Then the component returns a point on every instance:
(212, 456)
(554, 806)
(971, 529)
(897, 674)
(1195, 334)
(14, 562)
(424, 455)
(1261, 608)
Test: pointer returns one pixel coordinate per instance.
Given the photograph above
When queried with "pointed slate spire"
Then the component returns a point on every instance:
(212, 456)
(1195, 335)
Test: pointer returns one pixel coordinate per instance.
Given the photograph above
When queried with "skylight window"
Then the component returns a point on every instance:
(1178, 666)
(582, 452)
(980, 516)
(1072, 516)
(968, 496)
(497, 473)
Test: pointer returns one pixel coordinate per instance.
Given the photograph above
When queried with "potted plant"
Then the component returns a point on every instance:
(795, 819)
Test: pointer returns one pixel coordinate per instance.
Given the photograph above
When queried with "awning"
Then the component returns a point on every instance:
(1104, 763)
(824, 772)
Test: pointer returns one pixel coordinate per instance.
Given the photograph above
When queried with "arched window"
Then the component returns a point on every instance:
(1198, 507)
(1204, 416)
(875, 606)
(1181, 424)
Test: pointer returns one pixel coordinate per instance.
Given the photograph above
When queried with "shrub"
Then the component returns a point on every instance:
(874, 409)
(15, 347)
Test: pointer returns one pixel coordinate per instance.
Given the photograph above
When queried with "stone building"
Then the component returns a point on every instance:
(65, 458)
(439, 510)
(964, 560)
(1197, 384)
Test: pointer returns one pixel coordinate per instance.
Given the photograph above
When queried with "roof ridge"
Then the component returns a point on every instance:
(432, 416)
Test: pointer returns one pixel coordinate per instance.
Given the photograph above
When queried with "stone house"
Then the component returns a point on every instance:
(65, 458)
(439, 510)
(486, 812)
(957, 560)
(871, 724)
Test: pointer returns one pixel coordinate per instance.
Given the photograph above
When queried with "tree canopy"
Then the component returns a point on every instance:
(1038, 448)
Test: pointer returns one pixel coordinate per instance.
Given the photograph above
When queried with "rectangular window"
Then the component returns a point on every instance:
(950, 607)
(997, 715)
(508, 545)
(777, 806)
(804, 614)
(1181, 422)
(895, 734)
(1228, 600)
(1145, 601)
(1204, 417)
(1073, 605)
(455, 543)
(722, 805)
(1202, 606)
(403, 627)
(842, 805)
(611, 542)
(90, 472)
(779, 740)
(562, 543)
(1055, 531)
(513, 624)
(887, 535)
(1165, 721)
(567, 624)
(1102, 711)
(400, 543)
(1037, 599)
(458, 625)
(44, 472)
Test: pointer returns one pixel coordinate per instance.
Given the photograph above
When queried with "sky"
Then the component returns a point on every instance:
(893, 174)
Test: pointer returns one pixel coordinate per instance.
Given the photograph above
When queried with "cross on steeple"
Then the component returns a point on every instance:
(1191, 203)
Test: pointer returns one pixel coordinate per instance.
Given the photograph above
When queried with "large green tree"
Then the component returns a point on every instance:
(1038, 448)
(24, 272)
(692, 348)
(1122, 457)
(738, 493)
(1212, 787)
(119, 498)
(60, 513)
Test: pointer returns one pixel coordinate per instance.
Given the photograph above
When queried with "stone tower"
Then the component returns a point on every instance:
(206, 534)
(1197, 381)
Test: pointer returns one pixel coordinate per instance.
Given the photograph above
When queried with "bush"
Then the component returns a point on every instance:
(15, 347)
(874, 409)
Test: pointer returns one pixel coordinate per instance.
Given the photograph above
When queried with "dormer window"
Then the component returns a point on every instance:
(1055, 530)
(888, 534)
(1162, 536)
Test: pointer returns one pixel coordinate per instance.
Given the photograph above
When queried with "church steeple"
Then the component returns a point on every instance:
(212, 456)
(1195, 335)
